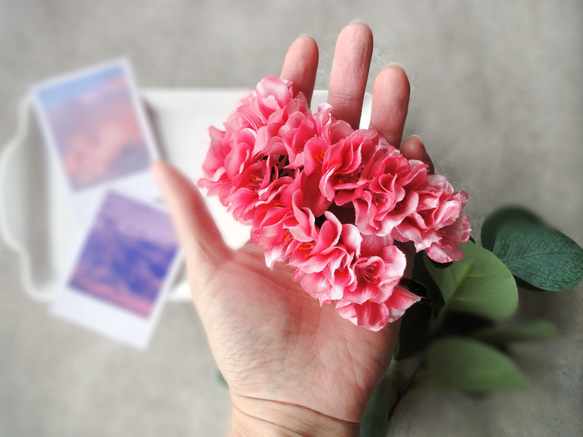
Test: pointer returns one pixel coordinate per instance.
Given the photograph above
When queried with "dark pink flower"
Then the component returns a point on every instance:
(330, 201)
(376, 275)
(271, 95)
(342, 165)
(391, 192)
(336, 274)
(375, 316)
(438, 224)
(315, 247)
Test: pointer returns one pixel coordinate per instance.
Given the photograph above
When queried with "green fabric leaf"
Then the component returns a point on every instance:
(540, 255)
(421, 275)
(468, 365)
(463, 324)
(509, 214)
(478, 284)
(414, 331)
(537, 330)
(375, 421)
(221, 379)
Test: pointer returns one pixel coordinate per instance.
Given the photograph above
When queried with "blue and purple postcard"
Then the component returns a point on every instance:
(122, 270)
(95, 127)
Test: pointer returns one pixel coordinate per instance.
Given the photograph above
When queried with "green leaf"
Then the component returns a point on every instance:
(468, 365)
(421, 275)
(535, 253)
(540, 255)
(464, 324)
(414, 331)
(478, 284)
(221, 379)
(509, 214)
(375, 421)
(537, 330)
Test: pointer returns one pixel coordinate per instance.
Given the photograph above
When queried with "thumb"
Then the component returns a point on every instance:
(202, 242)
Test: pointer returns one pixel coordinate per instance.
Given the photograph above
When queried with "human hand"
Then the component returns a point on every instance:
(293, 367)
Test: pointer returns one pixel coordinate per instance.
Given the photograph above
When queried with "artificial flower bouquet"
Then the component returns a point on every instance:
(334, 203)
(339, 205)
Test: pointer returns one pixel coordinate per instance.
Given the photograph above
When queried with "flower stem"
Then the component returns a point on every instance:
(436, 325)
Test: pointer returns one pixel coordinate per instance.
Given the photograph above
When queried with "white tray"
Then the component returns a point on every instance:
(36, 216)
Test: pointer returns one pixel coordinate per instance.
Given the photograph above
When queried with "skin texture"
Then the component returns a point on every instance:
(293, 367)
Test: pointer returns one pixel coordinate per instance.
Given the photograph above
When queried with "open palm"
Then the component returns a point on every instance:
(273, 343)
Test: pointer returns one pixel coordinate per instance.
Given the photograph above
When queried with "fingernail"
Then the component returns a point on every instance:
(418, 137)
(420, 142)
(395, 64)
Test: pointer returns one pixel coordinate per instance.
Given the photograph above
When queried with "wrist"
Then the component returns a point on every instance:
(264, 418)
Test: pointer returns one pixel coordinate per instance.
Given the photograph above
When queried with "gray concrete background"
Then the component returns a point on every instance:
(497, 97)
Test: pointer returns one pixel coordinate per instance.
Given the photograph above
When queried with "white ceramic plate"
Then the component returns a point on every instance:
(36, 215)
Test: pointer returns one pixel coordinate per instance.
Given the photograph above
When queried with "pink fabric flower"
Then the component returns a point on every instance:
(342, 165)
(375, 316)
(438, 223)
(331, 201)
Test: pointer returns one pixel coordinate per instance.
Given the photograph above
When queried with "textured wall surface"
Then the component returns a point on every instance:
(497, 98)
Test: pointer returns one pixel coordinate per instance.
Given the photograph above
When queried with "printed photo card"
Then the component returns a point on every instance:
(101, 147)
(121, 271)
(94, 124)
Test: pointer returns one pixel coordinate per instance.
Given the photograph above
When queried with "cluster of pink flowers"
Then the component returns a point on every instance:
(331, 201)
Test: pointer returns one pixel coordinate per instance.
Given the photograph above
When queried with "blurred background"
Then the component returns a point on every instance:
(497, 97)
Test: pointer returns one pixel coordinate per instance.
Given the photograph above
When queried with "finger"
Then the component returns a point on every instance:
(350, 72)
(198, 234)
(413, 148)
(301, 64)
(390, 102)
